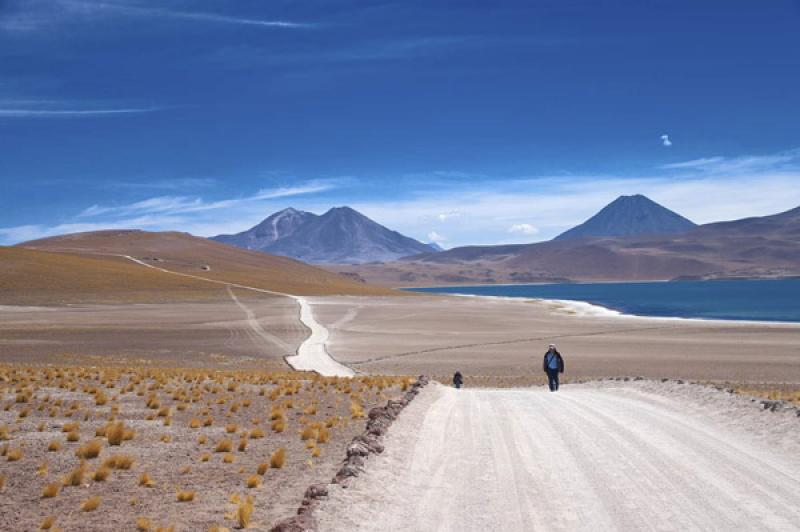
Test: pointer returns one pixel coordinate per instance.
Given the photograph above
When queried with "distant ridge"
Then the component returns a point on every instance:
(340, 236)
(629, 216)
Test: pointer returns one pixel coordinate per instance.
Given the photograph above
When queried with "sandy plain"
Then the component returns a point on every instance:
(497, 341)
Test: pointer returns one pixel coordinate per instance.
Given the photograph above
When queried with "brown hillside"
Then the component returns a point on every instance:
(181, 252)
(38, 277)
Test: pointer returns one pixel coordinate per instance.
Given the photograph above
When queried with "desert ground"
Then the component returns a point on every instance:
(183, 358)
(495, 341)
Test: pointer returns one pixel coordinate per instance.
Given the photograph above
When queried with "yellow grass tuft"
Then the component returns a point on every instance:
(202, 439)
(230, 429)
(228, 458)
(101, 474)
(54, 446)
(186, 496)
(262, 468)
(205, 457)
(73, 436)
(116, 433)
(2, 482)
(14, 454)
(194, 423)
(278, 458)
(256, 434)
(48, 523)
(51, 490)
(279, 425)
(143, 524)
(307, 433)
(42, 470)
(224, 446)
(253, 481)
(70, 427)
(91, 504)
(244, 512)
(90, 449)
(119, 461)
(242, 445)
(146, 481)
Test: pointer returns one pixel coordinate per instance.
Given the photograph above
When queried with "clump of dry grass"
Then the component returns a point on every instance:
(205, 457)
(194, 423)
(228, 458)
(119, 461)
(146, 481)
(54, 446)
(42, 469)
(75, 477)
(256, 434)
(70, 427)
(253, 481)
(278, 458)
(242, 445)
(90, 449)
(51, 490)
(224, 446)
(186, 496)
(48, 522)
(116, 433)
(2, 482)
(14, 454)
(91, 504)
(279, 425)
(262, 468)
(143, 524)
(73, 436)
(244, 512)
(101, 474)
(230, 429)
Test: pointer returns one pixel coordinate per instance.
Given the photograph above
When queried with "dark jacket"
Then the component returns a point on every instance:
(560, 362)
(458, 379)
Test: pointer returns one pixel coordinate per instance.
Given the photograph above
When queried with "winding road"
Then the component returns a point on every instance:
(312, 355)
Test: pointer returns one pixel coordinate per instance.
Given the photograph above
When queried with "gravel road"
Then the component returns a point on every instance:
(585, 458)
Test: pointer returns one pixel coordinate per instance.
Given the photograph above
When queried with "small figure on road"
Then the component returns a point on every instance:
(458, 380)
(553, 365)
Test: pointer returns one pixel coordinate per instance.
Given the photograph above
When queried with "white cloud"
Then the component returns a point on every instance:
(188, 204)
(433, 236)
(30, 15)
(525, 229)
(72, 113)
(665, 141)
(444, 216)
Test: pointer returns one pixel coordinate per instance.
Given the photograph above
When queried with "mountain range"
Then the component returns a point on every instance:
(650, 248)
(340, 236)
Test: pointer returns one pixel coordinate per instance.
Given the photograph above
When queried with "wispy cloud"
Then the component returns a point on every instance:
(31, 15)
(665, 141)
(178, 205)
(784, 160)
(72, 113)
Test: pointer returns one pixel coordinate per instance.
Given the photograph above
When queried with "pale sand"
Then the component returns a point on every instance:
(436, 335)
(633, 456)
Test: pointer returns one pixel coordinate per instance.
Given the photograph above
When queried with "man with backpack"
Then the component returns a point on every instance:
(553, 365)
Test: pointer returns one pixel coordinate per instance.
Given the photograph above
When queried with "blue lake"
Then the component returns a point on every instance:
(767, 300)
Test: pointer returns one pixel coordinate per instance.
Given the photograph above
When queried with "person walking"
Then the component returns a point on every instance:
(458, 380)
(553, 365)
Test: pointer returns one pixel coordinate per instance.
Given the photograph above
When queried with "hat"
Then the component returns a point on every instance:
(552, 345)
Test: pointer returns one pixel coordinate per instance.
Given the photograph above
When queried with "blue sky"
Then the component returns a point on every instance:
(463, 122)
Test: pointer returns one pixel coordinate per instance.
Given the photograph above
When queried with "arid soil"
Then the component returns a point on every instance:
(495, 340)
(176, 424)
(203, 334)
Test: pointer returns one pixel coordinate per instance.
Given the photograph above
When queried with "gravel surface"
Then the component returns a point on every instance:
(639, 455)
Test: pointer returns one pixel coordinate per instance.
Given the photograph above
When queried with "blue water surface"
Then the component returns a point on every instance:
(759, 300)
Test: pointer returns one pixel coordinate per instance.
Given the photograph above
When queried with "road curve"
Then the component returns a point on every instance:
(312, 355)
(579, 459)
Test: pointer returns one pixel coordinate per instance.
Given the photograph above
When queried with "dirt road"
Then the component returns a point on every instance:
(585, 458)
(312, 355)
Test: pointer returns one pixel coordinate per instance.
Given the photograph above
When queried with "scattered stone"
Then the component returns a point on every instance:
(298, 523)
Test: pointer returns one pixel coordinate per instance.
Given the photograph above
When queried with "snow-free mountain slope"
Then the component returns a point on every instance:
(628, 216)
